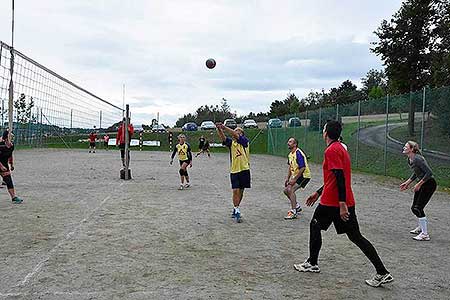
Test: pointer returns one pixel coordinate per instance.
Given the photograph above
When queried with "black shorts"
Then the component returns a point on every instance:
(92, 144)
(184, 161)
(302, 182)
(325, 215)
(106, 144)
(240, 180)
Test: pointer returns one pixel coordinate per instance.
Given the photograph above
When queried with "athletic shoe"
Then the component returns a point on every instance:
(233, 214)
(422, 237)
(17, 200)
(238, 217)
(290, 215)
(181, 187)
(307, 267)
(416, 230)
(89, 151)
(187, 185)
(378, 280)
(298, 209)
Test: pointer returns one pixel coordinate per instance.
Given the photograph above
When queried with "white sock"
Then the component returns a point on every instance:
(294, 211)
(298, 206)
(423, 222)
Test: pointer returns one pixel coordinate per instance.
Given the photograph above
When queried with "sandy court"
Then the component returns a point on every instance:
(82, 233)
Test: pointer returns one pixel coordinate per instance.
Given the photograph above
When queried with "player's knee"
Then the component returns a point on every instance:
(9, 183)
(286, 191)
(417, 211)
(181, 172)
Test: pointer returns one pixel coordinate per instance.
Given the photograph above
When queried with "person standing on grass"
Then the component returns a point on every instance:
(238, 145)
(184, 152)
(337, 206)
(423, 190)
(106, 141)
(120, 140)
(6, 160)
(298, 176)
(92, 140)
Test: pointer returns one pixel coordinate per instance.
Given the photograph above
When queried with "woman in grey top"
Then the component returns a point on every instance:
(423, 190)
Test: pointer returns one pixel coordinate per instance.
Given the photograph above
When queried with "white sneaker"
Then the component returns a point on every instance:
(181, 187)
(416, 230)
(378, 280)
(187, 185)
(307, 267)
(422, 237)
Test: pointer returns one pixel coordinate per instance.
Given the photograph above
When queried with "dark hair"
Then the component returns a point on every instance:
(333, 129)
(5, 135)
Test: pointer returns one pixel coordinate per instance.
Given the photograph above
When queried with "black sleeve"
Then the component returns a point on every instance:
(319, 191)
(189, 153)
(340, 179)
(174, 152)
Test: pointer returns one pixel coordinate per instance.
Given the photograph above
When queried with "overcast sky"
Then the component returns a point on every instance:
(263, 49)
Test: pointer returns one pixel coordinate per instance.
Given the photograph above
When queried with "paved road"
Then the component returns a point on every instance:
(375, 136)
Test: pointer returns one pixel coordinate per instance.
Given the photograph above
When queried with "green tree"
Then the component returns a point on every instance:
(404, 45)
(374, 83)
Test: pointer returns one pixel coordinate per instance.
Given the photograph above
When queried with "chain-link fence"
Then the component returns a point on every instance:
(375, 132)
(49, 109)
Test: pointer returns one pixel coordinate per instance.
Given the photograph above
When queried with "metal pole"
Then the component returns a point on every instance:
(386, 134)
(100, 120)
(11, 83)
(423, 119)
(337, 112)
(306, 122)
(123, 101)
(320, 132)
(3, 102)
(127, 138)
(357, 135)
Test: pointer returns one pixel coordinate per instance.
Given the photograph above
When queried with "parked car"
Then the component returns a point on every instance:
(207, 125)
(138, 128)
(250, 123)
(275, 123)
(190, 126)
(230, 123)
(294, 122)
(159, 128)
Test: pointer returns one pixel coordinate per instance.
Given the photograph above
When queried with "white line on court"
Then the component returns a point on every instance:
(38, 267)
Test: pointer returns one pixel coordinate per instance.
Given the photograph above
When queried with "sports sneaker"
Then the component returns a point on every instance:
(238, 217)
(233, 214)
(291, 215)
(16, 200)
(416, 230)
(187, 185)
(378, 280)
(181, 187)
(299, 209)
(422, 237)
(307, 267)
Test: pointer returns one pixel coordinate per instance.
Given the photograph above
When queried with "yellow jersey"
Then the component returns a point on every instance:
(296, 161)
(183, 151)
(239, 154)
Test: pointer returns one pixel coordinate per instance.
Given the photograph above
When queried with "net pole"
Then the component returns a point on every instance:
(127, 137)
(422, 130)
(11, 82)
(357, 135)
(386, 135)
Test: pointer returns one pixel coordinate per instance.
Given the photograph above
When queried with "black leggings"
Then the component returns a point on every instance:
(422, 197)
(315, 243)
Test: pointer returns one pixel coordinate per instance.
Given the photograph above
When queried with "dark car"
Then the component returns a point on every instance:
(190, 126)
(230, 123)
(294, 122)
(275, 123)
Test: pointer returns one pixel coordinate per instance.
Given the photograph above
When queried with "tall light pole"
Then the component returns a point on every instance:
(11, 84)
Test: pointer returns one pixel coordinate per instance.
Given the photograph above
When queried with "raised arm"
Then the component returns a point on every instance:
(219, 127)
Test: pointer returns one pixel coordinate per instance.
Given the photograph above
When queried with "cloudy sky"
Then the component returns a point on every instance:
(263, 49)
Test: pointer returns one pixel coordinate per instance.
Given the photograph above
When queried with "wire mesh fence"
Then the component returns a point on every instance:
(49, 109)
(375, 132)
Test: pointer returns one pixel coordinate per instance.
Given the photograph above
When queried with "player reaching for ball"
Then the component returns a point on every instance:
(184, 152)
(238, 145)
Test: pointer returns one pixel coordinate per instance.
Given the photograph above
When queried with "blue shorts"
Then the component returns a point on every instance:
(240, 180)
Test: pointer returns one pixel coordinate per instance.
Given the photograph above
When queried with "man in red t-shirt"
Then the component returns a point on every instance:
(120, 140)
(337, 206)
(92, 140)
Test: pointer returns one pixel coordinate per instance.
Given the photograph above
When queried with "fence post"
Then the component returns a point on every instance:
(357, 134)
(127, 139)
(41, 127)
(422, 131)
(386, 135)
(337, 112)
(306, 121)
(100, 121)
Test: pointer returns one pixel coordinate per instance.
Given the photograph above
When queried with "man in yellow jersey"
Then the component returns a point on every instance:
(298, 176)
(185, 156)
(240, 166)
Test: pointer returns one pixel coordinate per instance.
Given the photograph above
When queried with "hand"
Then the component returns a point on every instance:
(417, 187)
(171, 161)
(292, 182)
(312, 199)
(404, 186)
(190, 165)
(3, 169)
(12, 168)
(343, 211)
(286, 182)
